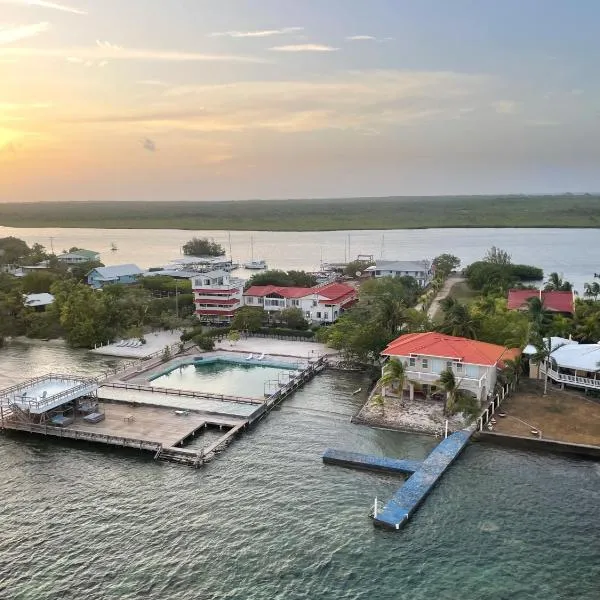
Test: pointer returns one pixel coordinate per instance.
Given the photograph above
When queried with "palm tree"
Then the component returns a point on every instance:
(390, 312)
(451, 386)
(393, 372)
(538, 314)
(543, 353)
(592, 290)
(513, 367)
(557, 283)
(379, 400)
(458, 320)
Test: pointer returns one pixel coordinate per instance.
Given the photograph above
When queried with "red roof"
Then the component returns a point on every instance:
(333, 293)
(555, 301)
(285, 292)
(449, 347)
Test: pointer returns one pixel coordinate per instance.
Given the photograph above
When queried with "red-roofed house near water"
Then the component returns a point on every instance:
(555, 301)
(426, 355)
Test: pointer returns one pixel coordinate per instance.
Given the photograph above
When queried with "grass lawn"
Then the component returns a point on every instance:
(565, 416)
(327, 214)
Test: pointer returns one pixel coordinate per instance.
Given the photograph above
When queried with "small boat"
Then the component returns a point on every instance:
(256, 265)
(113, 247)
(358, 391)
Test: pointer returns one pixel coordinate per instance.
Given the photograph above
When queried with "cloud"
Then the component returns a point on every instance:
(304, 48)
(86, 63)
(257, 34)
(106, 51)
(359, 100)
(577, 92)
(148, 144)
(14, 33)
(152, 82)
(44, 4)
(360, 38)
(6, 106)
(505, 107)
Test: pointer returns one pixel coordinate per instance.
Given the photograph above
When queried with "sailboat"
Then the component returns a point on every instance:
(256, 265)
(113, 247)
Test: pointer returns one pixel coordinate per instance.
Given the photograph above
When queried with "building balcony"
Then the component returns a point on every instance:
(574, 380)
(432, 378)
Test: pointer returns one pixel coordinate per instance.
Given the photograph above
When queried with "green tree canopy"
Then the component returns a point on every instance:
(497, 256)
(203, 247)
(293, 318)
(248, 318)
(444, 264)
(283, 279)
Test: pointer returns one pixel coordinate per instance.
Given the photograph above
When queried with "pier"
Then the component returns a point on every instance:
(424, 476)
(69, 407)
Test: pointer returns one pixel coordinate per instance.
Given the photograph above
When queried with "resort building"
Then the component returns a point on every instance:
(425, 355)
(571, 364)
(217, 295)
(419, 270)
(559, 302)
(123, 274)
(319, 304)
(78, 257)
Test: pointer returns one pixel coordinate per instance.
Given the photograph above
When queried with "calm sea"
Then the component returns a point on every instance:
(573, 252)
(267, 520)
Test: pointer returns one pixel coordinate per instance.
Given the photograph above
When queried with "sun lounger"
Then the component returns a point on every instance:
(250, 357)
(261, 357)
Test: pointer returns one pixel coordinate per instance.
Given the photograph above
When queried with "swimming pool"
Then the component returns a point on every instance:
(228, 376)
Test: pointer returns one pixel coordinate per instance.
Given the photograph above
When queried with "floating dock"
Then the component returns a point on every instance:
(369, 462)
(424, 475)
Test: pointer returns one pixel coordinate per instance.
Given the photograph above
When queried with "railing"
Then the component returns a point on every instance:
(493, 406)
(89, 436)
(176, 392)
(587, 382)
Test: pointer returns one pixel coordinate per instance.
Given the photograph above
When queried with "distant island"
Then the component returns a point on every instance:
(399, 212)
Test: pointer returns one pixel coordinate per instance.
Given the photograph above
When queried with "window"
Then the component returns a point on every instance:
(295, 302)
(425, 363)
(250, 300)
(318, 315)
(412, 361)
(449, 364)
(459, 366)
(314, 302)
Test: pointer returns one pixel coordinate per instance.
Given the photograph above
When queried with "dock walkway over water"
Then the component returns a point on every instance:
(398, 510)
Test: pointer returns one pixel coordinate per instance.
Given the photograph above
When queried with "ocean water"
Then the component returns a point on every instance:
(551, 249)
(267, 520)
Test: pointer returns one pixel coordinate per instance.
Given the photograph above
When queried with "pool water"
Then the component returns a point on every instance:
(221, 377)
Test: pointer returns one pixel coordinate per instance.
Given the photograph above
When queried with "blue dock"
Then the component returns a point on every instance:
(398, 510)
(370, 463)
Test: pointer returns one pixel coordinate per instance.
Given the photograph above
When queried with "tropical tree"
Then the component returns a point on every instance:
(379, 400)
(248, 318)
(592, 290)
(542, 356)
(497, 256)
(203, 247)
(293, 318)
(393, 373)
(557, 283)
(450, 385)
(444, 264)
(513, 369)
(233, 336)
(458, 319)
(539, 315)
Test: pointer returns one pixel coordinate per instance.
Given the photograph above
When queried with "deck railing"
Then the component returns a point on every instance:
(586, 382)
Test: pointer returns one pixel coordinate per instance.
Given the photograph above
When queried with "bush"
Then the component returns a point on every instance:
(284, 332)
(204, 342)
(527, 272)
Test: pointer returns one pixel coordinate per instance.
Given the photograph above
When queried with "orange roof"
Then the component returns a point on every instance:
(449, 347)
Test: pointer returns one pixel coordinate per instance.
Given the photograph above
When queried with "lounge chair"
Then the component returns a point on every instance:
(44, 394)
(250, 357)
(261, 357)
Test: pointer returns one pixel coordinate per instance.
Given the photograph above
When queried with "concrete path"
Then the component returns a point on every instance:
(443, 293)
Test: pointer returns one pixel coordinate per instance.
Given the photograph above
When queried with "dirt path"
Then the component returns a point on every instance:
(443, 293)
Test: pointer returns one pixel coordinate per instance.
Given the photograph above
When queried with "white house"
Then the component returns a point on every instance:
(319, 304)
(426, 355)
(217, 295)
(572, 364)
(78, 257)
(419, 270)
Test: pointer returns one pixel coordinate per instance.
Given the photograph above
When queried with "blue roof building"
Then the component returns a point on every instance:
(124, 274)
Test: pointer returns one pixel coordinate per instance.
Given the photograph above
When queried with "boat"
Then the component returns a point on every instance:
(252, 264)
(255, 265)
(113, 247)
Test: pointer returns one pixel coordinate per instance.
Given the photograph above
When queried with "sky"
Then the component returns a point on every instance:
(232, 99)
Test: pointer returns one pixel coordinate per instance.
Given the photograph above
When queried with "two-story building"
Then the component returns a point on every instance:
(418, 269)
(425, 355)
(123, 274)
(77, 257)
(217, 295)
(319, 304)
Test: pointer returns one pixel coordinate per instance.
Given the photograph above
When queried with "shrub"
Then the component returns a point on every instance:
(204, 342)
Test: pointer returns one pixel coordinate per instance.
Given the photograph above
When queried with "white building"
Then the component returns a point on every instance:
(319, 304)
(426, 355)
(217, 295)
(419, 270)
(78, 257)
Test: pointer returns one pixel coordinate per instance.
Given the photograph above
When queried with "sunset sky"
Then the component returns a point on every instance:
(235, 99)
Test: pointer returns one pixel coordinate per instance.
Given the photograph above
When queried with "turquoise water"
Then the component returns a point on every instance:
(223, 377)
(267, 520)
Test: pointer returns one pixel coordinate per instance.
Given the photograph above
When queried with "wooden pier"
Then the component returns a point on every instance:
(160, 430)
